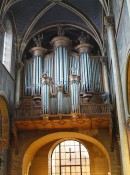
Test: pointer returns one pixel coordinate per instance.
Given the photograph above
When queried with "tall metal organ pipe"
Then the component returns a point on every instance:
(28, 77)
(74, 93)
(60, 99)
(61, 61)
(48, 67)
(45, 93)
(74, 64)
(85, 66)
(38, 53)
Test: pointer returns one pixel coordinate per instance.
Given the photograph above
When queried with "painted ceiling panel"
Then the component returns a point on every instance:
(59, 14)
(25, 11)
(90, 8)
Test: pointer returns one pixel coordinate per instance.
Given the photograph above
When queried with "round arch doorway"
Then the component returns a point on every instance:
(37, 156)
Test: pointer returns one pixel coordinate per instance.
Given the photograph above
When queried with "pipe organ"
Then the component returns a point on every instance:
(67, 75)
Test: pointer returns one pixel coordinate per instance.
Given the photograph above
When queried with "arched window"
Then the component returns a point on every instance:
(7, 50)
(69, 158)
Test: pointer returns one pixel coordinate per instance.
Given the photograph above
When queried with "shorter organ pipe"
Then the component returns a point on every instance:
(74, 93)
(45, 93)
(60, 99)
(38, 53)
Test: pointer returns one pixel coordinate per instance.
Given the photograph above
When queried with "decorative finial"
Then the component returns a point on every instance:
(83, 39)
(60, 30)
(44, 74)
(38, 40)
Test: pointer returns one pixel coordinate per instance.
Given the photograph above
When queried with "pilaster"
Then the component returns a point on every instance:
(109, 22)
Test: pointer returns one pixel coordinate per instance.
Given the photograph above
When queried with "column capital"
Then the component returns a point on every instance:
(84, 47)
(103, 60)
(19, 65)
(60, 41)
(109, 21)
(38, 51)
(2, 31)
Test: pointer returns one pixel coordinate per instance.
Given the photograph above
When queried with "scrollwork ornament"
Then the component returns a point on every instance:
(4, 143)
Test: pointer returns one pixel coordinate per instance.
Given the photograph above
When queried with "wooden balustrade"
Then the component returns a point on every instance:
(85, 109)
(27, 112)
(95, 109)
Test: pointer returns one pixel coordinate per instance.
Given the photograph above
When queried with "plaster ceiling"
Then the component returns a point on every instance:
(26, 11)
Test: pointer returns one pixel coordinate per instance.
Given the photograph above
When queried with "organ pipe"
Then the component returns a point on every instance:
(60, 99)
(28, 77)
(48, 67)
(61, 61)
(90, 69)
(45, 93)
(85, 66)
(74, 63)
(74, 93)
(38, 53)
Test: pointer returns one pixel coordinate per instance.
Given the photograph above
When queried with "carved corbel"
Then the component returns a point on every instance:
(19, 66)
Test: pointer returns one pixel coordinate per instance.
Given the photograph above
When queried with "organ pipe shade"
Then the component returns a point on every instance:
(45, 93)
(74, 93)
(61, 61)
(28, 77)
(90, 70)
(38, 53)
(60, 99)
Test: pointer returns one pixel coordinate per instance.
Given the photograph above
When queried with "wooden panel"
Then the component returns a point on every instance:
(81, 123)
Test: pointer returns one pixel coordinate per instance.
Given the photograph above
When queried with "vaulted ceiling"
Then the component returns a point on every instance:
(34, 16)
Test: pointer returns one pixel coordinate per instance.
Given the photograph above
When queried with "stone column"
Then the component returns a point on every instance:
(19, 67)
(105, 75)
(109, 22)
(1, 41)
(128, 6)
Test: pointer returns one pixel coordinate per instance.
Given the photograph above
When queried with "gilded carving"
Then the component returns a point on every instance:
(4, 142)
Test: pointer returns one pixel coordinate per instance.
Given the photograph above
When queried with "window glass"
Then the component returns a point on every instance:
(7, 49)
(69, 158)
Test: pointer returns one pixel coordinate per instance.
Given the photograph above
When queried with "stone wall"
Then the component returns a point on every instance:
(122, 36)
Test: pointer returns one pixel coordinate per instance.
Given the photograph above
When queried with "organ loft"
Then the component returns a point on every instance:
(64, 83)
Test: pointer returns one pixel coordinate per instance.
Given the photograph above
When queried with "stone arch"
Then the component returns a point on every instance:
(36, 145)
